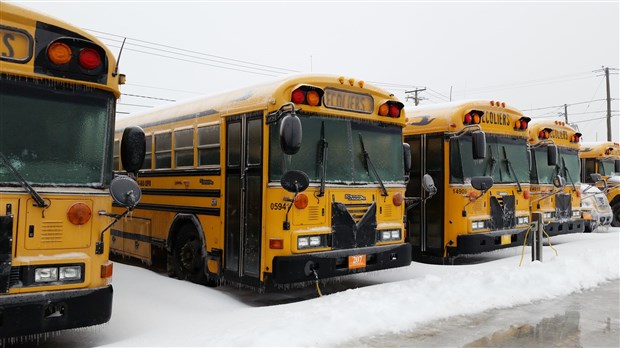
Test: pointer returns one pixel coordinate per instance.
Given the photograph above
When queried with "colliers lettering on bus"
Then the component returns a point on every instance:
(558, 134)
(498, 119)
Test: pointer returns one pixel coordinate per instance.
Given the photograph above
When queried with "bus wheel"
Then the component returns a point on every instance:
(615, 221)
(188, 257)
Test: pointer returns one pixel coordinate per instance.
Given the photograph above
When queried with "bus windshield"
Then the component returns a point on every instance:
(506, 160)
(571, 169)
(53, 136)
(344, 162)
(607, 167)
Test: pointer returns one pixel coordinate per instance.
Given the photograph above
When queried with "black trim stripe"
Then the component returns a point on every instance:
(180, 209)
(138, 237)
(180, 173)
(182, 192)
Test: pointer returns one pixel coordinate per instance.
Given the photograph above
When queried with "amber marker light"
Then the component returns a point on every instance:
(398, 199)
(383, 109)
(526, 194)
(79, 214)
(301, 201)
(59, 53)
(313, 98)
(107, 269)
(276, 243)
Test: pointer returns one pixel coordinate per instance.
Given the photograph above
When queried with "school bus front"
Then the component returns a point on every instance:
(603, 158)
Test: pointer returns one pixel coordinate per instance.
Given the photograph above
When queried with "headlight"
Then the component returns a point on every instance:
(309, 242)
(47, 274)
(548, 215)
(477, 225)
(389, 235)
(523, 220)
(303, 242)
(70, 273)
(576, 213)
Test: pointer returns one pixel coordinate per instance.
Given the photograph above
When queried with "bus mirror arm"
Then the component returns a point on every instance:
(286, 225)
(99, 245)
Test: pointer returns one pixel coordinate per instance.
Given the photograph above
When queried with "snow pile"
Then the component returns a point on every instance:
(152, 310)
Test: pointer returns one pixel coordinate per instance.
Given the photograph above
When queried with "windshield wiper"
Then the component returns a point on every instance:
(568, 172)
(35, 195)
(323, 163)
(511, 168)
(492, 161)
(370, 167)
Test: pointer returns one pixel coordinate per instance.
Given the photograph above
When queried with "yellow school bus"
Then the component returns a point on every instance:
(233, 192)
(476, 153)
(58, 91)
(603, 158)
(555, 176)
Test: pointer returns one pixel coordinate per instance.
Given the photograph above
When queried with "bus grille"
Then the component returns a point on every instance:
(51, 232)
(357, 211)
(502, 212)
(313, 214)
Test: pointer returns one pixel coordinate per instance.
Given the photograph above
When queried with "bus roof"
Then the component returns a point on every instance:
(265, 96)
(604, 149)
(22, 18)
(495, 117)
(556, 130)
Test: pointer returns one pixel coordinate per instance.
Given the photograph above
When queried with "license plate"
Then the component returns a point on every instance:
(15, 45)
(505, 239)
(357, 261)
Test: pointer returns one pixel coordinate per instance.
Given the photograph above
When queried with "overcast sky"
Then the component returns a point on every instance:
(534, 56)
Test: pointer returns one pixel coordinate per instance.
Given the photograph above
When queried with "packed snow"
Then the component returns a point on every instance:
(151, 309)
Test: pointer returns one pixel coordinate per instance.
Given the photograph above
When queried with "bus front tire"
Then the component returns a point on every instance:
(615, 221)
(188, 257)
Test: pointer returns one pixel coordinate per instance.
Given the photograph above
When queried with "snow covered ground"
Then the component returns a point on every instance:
(153, 310)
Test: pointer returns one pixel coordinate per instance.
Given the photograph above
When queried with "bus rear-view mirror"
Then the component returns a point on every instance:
(125, 192)
(407, 158)
(429, 184)
(552, 155)
(290, 134)
(482, 183)
(295, 181)
(133, 149)
(479, 143)
(559, 181)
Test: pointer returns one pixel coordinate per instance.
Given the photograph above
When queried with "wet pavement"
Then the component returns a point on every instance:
(586, 319)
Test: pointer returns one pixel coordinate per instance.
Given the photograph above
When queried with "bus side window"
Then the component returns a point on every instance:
(163, 150)
(148, 156)
(184, 148)
(115, 159)
(209, 146)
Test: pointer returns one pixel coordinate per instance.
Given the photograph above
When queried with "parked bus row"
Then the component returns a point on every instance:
(301, 179)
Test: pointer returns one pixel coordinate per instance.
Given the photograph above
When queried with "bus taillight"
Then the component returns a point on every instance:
(522, 123)
(391, 109)
(307, 95)
(59, 53)
(89, 58)
(472, 118)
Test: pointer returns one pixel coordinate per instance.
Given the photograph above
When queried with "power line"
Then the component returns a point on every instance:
(147, 97)
(190, 51)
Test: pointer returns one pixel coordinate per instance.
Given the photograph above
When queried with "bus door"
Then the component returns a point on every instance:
(244, 167)
(425, 221)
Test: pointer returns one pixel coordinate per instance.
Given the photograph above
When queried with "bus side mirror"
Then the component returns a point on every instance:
(407, 158)
(125, 192)
(617, 166)
(133, 148)
(290, 134)
(295, 181)
(552, 155)
(596, 177)
(482, 183)
(559, 181)
(479, 144)
(429, 185)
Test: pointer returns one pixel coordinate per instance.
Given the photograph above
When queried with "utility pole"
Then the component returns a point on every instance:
(565, 114)
(608, 105)
(415, 97)
(606, 71)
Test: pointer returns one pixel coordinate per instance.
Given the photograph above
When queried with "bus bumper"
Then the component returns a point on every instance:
(33, 313)
(556, 228)
(476, 243)
(328, 264)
